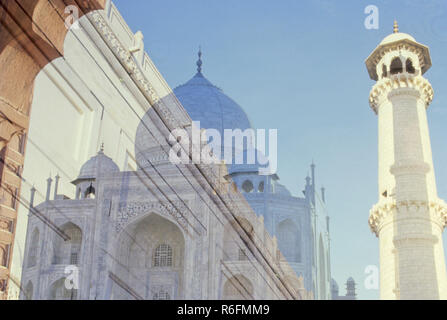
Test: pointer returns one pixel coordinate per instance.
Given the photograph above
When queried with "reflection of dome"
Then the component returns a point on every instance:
(208, 104)
(99, 164)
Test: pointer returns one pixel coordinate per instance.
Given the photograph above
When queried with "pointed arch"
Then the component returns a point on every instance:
(148, 249)
(396, 66)
(409, 66)
(32, 34)
(289, 241)
(68, 251)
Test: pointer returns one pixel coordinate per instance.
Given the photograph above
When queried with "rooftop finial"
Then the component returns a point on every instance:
(199, 62)
(396, 27)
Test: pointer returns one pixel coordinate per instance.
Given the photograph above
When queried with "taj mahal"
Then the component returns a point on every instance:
(126, 223)
(93, 207)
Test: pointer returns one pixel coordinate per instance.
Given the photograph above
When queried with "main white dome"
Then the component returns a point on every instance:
(204, 102)
(208, 104)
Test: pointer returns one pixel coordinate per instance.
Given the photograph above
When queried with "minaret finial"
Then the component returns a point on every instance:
(199, 62)
(396, 27)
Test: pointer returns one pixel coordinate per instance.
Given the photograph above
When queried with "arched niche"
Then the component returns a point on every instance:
(67, 251)
(289, 240)
(150, 259)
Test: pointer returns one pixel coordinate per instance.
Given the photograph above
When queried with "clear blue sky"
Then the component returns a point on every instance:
(298, 66)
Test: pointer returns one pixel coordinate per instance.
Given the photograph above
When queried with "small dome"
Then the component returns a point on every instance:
(203, 102)
(398, 36)
(99, 164)
(350, 280)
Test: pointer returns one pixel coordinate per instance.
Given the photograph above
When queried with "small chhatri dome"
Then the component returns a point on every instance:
(396, 36)
(392, 43)
(98, 164)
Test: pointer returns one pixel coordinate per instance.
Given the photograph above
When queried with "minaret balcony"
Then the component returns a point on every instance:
(387, 87)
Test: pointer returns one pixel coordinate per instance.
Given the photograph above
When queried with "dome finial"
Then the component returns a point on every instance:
(395, 27)
(199, 62)
(102, 148)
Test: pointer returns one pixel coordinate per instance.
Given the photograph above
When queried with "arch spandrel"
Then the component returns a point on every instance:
(130, 214)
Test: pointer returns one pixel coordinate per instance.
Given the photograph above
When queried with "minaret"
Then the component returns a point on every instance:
(409, 217)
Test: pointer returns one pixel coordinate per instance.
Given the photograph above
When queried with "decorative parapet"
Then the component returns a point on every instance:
(381, 211)
(384, 87)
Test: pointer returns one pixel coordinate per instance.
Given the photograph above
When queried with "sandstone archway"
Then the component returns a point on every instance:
(32, 34)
